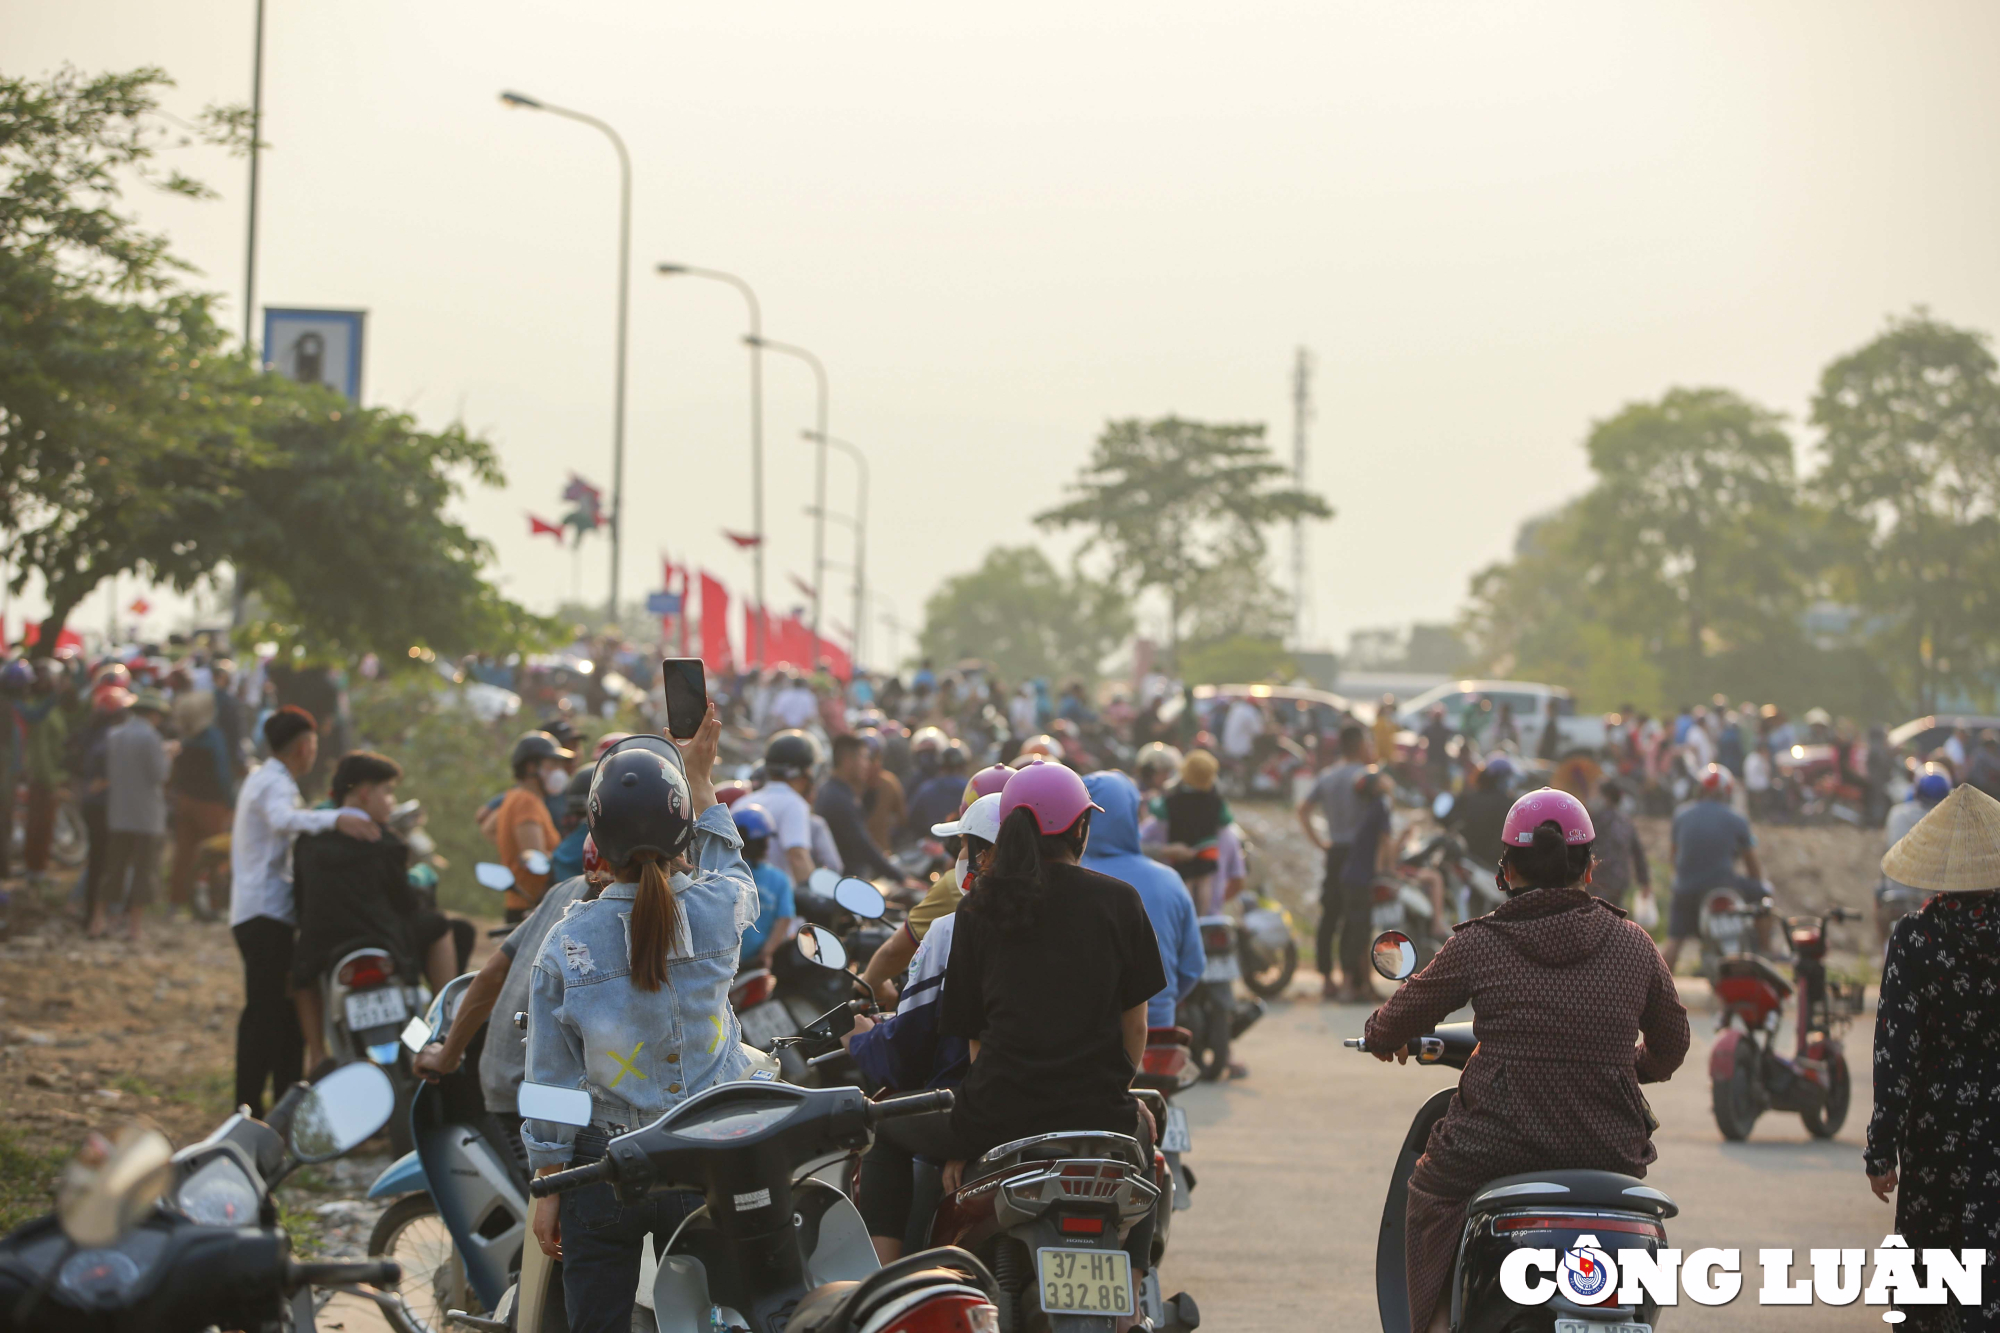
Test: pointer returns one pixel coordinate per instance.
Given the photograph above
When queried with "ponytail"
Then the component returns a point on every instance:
(1014, 883)
(1550, 862)
(656, 922)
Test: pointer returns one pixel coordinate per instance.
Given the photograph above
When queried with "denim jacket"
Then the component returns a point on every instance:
(638, 1053)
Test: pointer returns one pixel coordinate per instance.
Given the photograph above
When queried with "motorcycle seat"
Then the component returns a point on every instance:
(1092, 1144)
(1575, 1189)
(1751, 967)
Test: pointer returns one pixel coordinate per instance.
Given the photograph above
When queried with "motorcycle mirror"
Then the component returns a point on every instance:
(1393, 955)
(563, 1106)
(823, 882)
(536, 862)
(492, 875)
(860, 897)
(1442, 804)
(343, 1111)
(416, 1033)
(819, 945)
(109, 1187)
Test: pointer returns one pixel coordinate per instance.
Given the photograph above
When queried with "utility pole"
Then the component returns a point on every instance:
(1301, 416)
(256, 143)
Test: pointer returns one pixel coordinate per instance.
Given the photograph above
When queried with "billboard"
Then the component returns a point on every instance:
(316, 347)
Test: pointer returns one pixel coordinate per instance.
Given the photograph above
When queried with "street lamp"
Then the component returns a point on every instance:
(819, 468)
(756, 341)
(860, 533)
(527, 103)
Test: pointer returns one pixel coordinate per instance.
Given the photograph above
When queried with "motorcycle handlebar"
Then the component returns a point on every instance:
(379, 1273)
(574, 1178)
(920, 1103)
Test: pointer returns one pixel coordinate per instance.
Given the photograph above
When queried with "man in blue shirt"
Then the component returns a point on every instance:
(1709, 836)
(776, 910)
(1114, 850)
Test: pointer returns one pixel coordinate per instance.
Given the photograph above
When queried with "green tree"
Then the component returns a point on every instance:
(1021, 614)
(132, 440)
(1171, 502)
(1912, 481)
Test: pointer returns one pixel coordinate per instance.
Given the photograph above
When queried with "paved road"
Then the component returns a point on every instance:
(1293, 1164)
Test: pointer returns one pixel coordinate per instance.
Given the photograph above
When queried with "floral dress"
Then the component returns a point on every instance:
(1937, 1090)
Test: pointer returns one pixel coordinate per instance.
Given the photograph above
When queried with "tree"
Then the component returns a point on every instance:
(1171, 502)
(1019, 613)
(132, 440)
(1912, 481)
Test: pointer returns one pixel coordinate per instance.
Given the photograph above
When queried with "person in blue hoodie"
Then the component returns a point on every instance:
(1114, 851)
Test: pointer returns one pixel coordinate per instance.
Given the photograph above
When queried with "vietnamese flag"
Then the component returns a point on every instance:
(537, 527)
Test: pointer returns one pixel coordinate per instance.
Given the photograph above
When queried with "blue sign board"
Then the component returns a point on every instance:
(316, 347)
(663, 603)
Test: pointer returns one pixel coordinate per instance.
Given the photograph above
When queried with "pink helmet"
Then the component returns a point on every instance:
(987, 781)
(1540, 807)
(1055, 793)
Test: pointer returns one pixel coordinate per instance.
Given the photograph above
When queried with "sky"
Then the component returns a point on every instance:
(1001, 226)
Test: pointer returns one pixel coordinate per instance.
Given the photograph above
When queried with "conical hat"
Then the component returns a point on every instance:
(1953, 849)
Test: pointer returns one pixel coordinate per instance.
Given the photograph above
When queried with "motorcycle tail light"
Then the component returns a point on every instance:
(1724, 902)
(364, 970)
(1805, 938)
(1081, 1226)
(1217, 939)
(753, 991)
(1633, 1226)
(1165, 1061)
(951, 1311)
(1384, 892)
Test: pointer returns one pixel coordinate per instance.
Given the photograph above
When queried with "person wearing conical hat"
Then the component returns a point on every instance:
(1935, 1134)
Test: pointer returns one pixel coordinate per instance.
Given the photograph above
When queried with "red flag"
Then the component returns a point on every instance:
(835, 657)
(743, 539)
(715, 652)
(794, 643)
(757, 644)
(537, 527)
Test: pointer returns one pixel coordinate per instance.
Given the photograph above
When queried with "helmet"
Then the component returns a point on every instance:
(1055, 793)
(111, 698)
(115, 673)
(577, 795)
(985, 782)
(928, 740)
(17, 676)
(956, 756)
(1156, 755)
(533, 746)
(559, 727)
(1039, 747)
(1499, 768)
(1540, 807)
(790, 754)
(729, 793)
(1717, 781)
(1933, 783)
(752, 822)
(606, 741)
(639, 802)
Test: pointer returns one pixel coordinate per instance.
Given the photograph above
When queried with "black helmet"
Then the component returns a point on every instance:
(790, 754)
(559, 727)
(534, 745)
(639, 801)
(576, 796)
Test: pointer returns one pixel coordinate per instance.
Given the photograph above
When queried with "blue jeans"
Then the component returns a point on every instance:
(601, 1241)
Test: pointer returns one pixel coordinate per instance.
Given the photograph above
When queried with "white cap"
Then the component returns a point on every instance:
(981, 819)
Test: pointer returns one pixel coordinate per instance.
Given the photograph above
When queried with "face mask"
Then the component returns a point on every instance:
(964, 868)
(556, 781)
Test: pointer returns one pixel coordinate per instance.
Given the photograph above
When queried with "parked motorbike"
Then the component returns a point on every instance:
(1746, 1074)
(1730, 924)
(1582, 1214)
(1469, 889)
(1212, 1013)
(146, 1240)
(1267, 952)
(365, 1006)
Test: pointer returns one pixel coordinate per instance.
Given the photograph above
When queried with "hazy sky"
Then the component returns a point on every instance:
(1001, 225)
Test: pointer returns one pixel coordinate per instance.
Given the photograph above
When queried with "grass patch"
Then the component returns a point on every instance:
(29, 1165)
(303, 1227)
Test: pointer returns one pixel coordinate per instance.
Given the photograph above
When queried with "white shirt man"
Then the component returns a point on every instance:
(1241, 728)
(795, 706)
(791, 823)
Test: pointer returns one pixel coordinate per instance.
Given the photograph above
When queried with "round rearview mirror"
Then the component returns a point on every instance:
(536, 862)
(109, 1187)
(819, 945)
(823, 881)
(860, 897)
(1393, 955)
(1442, 804)
(492, 875)
(343, 1111)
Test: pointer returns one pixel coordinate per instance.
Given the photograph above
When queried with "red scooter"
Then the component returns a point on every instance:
(1746, 1073)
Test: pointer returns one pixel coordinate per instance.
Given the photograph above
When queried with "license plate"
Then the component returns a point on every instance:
(375, 1009)
(1085, 1281)
(1386, 915)
(1174, 1137)
(1585, 1326)
(1222, 967)
(764, 1022)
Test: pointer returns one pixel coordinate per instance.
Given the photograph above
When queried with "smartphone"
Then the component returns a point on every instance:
(687, 696)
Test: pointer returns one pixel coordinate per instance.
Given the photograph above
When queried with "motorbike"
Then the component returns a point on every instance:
(855, 912)
(366, 1005)
(1469, 889)
(1212, 1013)
(1746, 1074)
(1267, 952)
(1579, 1213)
(148, 1240)
(1730, 924)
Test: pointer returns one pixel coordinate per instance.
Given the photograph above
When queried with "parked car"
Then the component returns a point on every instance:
(1530, 702)
(1922, 735)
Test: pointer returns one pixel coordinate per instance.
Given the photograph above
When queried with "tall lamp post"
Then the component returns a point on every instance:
(819, 469)
(525, 102)
(756, 341)
(860, 533)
